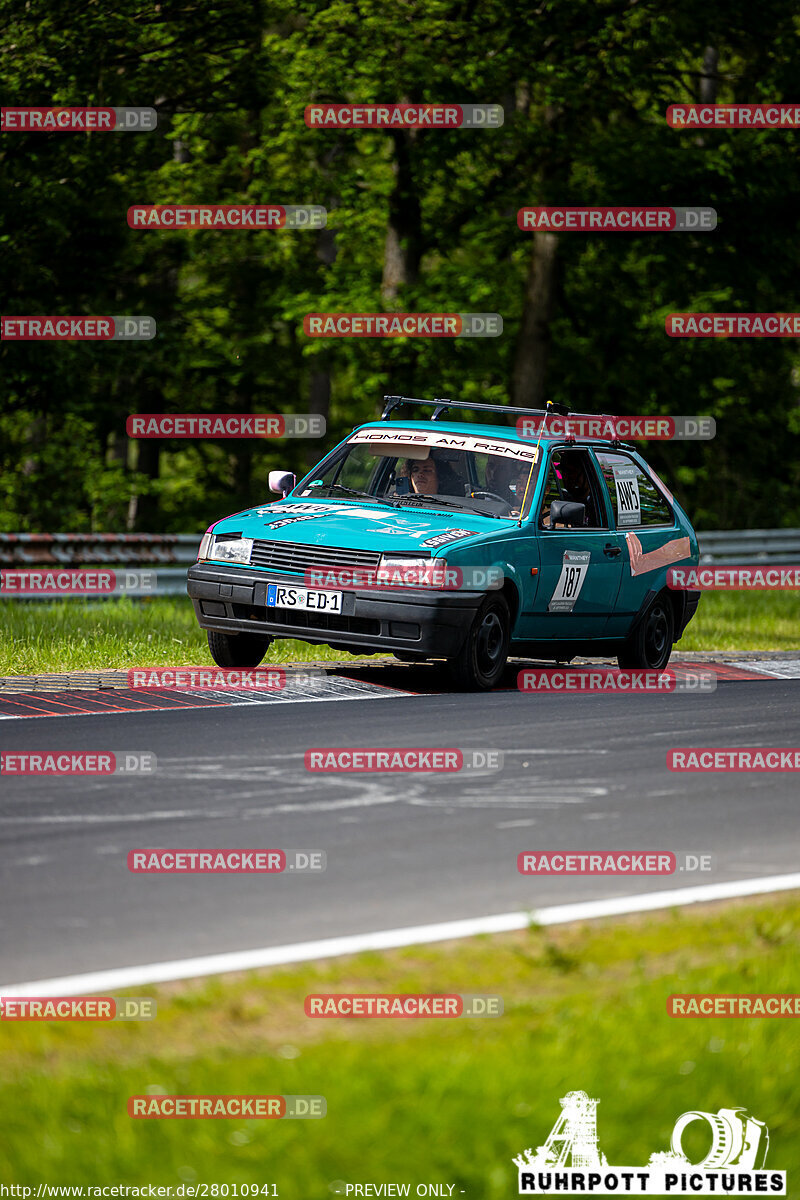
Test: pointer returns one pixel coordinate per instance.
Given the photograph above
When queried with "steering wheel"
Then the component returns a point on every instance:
(480, 494)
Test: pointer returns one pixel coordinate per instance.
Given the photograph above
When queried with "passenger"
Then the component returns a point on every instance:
(521, 483)
(575, 483)
(500, 476)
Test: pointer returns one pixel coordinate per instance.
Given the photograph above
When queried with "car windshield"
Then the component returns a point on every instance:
(426, 470)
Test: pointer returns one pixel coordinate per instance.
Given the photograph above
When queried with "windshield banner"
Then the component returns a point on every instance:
(433, 438)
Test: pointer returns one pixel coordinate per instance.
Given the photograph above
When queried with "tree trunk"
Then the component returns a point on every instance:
(403, 247)
(533, 347)
(709, 80)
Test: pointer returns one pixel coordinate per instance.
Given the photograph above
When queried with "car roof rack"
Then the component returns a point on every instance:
(442, 405)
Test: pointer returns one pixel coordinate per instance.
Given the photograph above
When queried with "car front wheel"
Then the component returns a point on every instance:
(237, 649)
(651, 643)
(480, 662)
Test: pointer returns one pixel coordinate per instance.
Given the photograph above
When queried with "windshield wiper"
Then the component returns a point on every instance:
(340, 487)
(421, 497)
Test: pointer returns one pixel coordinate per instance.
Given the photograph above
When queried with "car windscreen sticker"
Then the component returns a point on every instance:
(401, 439)
(449, 535)
(629, 510)
(570, 581)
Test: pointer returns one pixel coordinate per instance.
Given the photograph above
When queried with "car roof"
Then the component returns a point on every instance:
(506, 432)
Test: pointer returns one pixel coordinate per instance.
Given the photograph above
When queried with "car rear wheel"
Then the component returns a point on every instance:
(651, 643)
(237, 649)
(481, 660)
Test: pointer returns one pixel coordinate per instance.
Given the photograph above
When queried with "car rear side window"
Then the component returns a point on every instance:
(635, 499)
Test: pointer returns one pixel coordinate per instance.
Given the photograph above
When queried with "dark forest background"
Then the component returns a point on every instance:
(417, 221)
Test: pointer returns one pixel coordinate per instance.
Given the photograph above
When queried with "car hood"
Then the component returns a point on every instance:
(359, 525)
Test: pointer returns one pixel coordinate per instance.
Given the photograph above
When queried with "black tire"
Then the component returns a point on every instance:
(651, 643)
(481, 660)
(237, 649)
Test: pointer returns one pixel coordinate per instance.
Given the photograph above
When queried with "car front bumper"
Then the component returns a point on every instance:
(421, 621)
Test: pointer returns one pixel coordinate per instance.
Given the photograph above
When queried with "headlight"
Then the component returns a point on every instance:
(205, 546)
(396, 570)
(236, 550)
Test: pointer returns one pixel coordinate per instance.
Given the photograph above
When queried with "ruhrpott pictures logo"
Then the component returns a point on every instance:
(570, 1161)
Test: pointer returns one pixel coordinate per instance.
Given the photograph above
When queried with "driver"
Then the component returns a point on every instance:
(423, 476)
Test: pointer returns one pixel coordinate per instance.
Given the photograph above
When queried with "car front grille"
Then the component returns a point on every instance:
(320, 622)
(298, 557)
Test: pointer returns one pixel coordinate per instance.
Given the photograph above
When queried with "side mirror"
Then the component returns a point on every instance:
(567, 512)
(281, 481)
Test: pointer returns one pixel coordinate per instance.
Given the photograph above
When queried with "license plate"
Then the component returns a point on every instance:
(280, 596)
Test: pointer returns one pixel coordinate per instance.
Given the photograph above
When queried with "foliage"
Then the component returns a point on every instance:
(584, 86)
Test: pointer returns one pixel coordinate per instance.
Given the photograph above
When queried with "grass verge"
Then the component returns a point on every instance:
(447, 1101)
(86, 635)
(80, 635)
(745, 621)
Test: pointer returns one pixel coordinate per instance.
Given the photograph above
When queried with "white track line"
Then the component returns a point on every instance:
(389, 939)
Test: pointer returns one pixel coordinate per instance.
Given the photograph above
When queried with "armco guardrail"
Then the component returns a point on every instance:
(171, 553)
(750, 546)
(168, 553)
(91, 549)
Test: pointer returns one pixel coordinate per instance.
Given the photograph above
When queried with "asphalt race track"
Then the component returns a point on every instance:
(581, 772)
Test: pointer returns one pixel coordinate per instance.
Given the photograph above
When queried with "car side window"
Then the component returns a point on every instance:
(572, 477)
(635, 499)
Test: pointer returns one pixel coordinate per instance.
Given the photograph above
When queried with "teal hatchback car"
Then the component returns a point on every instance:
(445, 539)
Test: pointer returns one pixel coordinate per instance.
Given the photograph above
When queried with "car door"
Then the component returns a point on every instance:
(580, 568)
(639, 511)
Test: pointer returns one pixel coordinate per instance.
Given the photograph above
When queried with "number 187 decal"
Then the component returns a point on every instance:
(570, 581)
